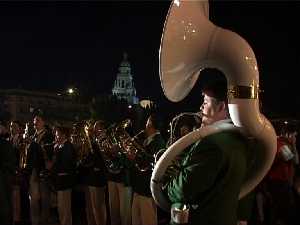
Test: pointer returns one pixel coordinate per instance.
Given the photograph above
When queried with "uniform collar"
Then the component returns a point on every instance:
(222, 121)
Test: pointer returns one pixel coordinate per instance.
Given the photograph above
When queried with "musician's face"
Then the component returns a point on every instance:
(38, 123)
(212, 110)
(98, 128)
(59, 136)
(14, 128)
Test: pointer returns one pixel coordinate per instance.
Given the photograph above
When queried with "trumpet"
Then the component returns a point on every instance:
(131, 145)
(135, 151)
(117, 138)
(80, 138)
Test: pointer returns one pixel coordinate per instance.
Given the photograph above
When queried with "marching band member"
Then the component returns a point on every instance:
(144, 211)
(209, 180)
(63, 173)
(15, 139)
(39, 153)
(95, 181)
(119, 190)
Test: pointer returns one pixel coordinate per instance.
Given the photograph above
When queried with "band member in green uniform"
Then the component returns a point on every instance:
(144, 211)
(209, 180)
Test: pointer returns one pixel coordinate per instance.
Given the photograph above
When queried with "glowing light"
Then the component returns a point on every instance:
(70, 90)
(145, 103)
(177, 3)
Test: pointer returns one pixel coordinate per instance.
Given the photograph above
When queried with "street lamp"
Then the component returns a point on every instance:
(70, 91)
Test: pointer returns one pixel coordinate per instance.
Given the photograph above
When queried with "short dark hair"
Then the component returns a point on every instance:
(216, 89)
(17, 122)
(101, 122)
(214, 84)
(39, 113)
(64, 130)
(187, 121)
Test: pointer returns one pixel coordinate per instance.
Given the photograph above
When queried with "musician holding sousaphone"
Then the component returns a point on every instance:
(216, 171)
(213, 169)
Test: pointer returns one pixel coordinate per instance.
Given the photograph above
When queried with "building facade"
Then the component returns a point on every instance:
(124, 85)
(20, 105)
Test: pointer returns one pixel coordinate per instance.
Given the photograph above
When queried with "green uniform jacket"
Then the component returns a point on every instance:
(210, 179)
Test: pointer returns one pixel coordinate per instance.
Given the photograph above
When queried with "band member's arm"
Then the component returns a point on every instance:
(198, 174)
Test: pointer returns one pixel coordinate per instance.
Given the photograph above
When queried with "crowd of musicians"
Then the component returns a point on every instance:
(44, 168)
(49, 163)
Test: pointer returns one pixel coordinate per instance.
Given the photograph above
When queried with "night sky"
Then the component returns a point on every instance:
(52, 45)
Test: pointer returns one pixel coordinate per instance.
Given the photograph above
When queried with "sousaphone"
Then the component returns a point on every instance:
(191, 43)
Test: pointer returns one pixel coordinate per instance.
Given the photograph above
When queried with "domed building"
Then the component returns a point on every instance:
(124, 85)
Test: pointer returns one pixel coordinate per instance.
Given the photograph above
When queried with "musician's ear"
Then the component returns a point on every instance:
(221, 106)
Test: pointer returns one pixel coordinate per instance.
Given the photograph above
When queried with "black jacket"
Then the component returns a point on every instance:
(40, 150)
(63, 170)
(95, 174)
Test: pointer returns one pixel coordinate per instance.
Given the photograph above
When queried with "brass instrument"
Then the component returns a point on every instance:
(174, 167)
(143, 160)
(191, 43)
(80, 138)
(115, 142)
(88, 139)
(175, 121)
(110, 150)
(132, 148)
(23, 147)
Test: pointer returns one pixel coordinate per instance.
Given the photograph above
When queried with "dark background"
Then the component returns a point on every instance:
(53, 45)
